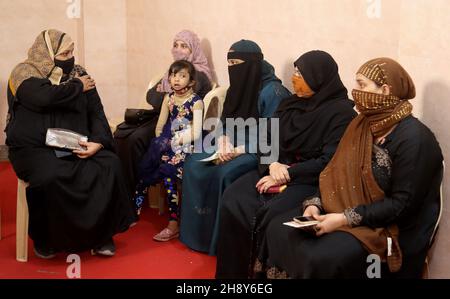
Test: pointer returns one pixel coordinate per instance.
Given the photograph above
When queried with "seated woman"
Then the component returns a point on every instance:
(379, 194)
(254, 92)
(311, 124)
(132, 143)
(78, 200)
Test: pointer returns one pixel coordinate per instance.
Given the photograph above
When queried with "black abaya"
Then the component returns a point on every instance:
(412, 202)
(310, 131)
(245, 213)
(74, 204)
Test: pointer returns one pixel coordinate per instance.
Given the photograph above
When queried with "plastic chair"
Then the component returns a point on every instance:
(218, 93)
(426, 270)
(22, 222)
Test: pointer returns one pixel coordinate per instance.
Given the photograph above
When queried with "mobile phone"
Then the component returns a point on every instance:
(304, 218)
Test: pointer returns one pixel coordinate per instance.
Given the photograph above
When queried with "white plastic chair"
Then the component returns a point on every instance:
(441, 205)
(219, 93)
(22, 222)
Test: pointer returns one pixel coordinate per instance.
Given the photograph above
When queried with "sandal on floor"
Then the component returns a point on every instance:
(166, 235)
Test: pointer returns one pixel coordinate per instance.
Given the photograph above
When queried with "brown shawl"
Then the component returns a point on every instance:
(348, 180)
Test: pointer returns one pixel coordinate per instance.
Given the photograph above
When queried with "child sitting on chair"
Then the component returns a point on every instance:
(175, 135)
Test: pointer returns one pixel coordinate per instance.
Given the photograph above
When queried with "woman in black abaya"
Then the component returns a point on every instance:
(78, 200)
(311, 125)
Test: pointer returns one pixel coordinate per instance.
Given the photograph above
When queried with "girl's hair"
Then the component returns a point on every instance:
(183, 65)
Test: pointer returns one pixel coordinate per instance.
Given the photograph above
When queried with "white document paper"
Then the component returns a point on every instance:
(211, 158)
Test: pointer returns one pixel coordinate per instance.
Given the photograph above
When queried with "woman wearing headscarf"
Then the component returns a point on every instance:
(379, 194)
(78, 200)
(132, 142)
(311, 123)
(254, 92)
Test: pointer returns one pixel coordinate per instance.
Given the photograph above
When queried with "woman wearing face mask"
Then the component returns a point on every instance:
(311, 123)
(378, 195)
(132, 142)
(254, 92)
(78, 200)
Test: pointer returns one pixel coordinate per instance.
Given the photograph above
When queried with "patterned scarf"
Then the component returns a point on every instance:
(40, 62)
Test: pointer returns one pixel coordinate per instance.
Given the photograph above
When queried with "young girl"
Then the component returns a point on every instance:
(175, 135)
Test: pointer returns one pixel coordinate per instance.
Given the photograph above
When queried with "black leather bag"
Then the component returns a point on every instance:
(134, 119)
(137, 117)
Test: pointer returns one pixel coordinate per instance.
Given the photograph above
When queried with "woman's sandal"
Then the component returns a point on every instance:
(166, 235)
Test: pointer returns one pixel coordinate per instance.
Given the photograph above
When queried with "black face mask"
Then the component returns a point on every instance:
(66, 65)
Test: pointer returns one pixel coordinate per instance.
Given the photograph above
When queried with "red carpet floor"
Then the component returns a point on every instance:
(137, 256)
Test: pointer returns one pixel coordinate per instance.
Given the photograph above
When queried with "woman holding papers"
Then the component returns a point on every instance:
(254, 93)
(379, 195)
(311, 124)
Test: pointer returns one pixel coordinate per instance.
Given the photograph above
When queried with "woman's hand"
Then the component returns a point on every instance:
(279, 172)
(88, 82)
(240, 150)
(91, 149)
(311, 211)
(265, 183)
(329, 223)
(159, 88)
(225, 149)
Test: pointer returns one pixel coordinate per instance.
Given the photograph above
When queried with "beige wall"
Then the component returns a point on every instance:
(105, 43)
(21, 21)
(284, 29)
(415, 32)
(424, 49)
(126, 42)
(100, 36)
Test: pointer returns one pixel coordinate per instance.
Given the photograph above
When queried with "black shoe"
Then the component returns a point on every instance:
(44, 253)
(107, 249)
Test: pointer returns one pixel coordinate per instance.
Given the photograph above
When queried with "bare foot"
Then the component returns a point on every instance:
(173, 226)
